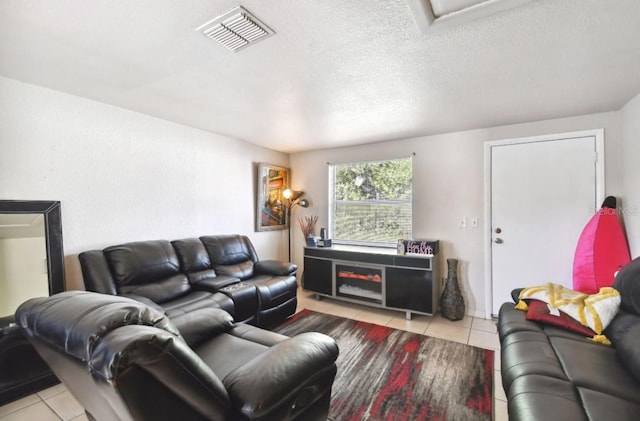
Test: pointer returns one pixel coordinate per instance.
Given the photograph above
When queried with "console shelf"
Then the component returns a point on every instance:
(373, 276)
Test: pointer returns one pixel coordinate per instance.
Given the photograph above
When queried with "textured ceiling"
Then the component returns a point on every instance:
(337, 72)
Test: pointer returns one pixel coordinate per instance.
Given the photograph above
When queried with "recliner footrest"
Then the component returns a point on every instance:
(276, 297)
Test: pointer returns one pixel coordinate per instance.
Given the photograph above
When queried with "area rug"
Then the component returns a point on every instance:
(389, 374)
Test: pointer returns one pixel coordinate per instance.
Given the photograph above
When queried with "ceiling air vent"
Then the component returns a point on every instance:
(236, 29)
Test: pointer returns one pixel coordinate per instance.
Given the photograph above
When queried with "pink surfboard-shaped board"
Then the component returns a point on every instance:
(602, 250)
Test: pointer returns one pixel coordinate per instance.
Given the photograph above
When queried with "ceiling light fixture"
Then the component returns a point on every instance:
(429, 13)
(236, 29)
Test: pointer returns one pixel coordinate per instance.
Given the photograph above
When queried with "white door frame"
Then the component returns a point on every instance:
(488, 235)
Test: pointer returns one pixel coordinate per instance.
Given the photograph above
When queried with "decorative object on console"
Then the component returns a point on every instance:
(271, 213)
(452, 302)
(307, 226)
(324, 240)
(418, 247)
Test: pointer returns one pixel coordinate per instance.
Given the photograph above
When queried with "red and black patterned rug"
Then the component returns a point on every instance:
(389, 374)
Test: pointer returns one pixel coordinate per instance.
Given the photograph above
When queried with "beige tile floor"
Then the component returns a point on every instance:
(56, 403)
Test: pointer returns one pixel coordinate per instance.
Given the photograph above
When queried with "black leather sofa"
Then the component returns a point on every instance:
(181, 276)
(123, 360)
(552, 374)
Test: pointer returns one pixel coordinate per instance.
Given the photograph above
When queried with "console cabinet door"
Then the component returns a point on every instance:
(318, 275)
(409, 289)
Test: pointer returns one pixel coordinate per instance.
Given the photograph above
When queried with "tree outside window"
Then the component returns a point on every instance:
(371, 202)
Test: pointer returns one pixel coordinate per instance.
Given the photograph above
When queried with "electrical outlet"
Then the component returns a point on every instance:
(474, 222)
(462, 223)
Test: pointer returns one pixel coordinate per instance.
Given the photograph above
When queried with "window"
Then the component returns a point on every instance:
(370, 202)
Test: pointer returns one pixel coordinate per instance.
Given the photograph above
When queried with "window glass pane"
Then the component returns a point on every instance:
(372, 223)
(372, 201)
(386, 180)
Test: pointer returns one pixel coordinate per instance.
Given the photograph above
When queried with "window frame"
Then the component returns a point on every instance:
(332, 203)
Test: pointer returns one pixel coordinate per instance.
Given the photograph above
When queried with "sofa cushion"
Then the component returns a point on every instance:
(242, 270)
(224, 353)
(194, 259)
(199, 325)
(540, 312)
(538, 397)
(595, 366)
(628, 283)
(231, 255)
(147, 268)
(196, 300)
(601, 406)
(527, 353)
(512, 320)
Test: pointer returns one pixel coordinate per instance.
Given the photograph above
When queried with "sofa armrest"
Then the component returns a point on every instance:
(291, 375)
(275, 268)
(199, 325)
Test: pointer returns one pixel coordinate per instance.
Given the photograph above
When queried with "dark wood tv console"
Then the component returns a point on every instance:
(373, 276)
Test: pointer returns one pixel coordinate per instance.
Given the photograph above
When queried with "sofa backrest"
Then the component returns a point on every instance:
(147, 268)
(231, 255)
(194, 259)
(160, 270)
(121, 359)
(96, 272)
(627, 282)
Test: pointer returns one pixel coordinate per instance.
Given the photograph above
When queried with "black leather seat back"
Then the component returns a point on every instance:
(194, 259)
(147, 268)
(231, 255)
(94, 316)
(97, 273)
(628, 283)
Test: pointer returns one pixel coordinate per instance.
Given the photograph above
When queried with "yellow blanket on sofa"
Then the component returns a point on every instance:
(594, 311)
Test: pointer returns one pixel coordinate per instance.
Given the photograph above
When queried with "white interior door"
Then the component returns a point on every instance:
(542, 192)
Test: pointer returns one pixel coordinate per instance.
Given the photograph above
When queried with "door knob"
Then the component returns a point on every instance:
(498, 241)
(498, 230)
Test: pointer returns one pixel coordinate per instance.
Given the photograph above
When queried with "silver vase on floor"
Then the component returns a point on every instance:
(452, 302)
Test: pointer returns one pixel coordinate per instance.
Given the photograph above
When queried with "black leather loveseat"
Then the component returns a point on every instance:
(552, 374)
(181, 276)
(123, 360)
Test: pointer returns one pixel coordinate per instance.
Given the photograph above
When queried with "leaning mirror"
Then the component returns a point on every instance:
(31, 253)
(31, 265)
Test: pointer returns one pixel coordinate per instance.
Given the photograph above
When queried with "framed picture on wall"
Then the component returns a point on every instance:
(271, 211)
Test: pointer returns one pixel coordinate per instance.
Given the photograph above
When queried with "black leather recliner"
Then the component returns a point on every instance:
(123, 360)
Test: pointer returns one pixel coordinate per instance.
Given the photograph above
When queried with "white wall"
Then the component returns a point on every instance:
(448, 185)
(124, 176)
(630, 115)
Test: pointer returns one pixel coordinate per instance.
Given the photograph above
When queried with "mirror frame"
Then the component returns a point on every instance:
(53, 235)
